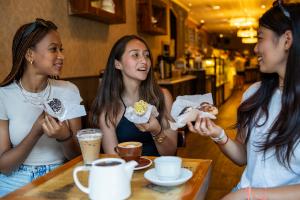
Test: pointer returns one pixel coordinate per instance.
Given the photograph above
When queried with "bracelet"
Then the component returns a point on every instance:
(220, 138)
(227, 139)
(66, 139)
(250, 193)
(158, 132)
(159, 137)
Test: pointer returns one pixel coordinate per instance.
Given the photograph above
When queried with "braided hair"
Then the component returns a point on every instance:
(26, 37)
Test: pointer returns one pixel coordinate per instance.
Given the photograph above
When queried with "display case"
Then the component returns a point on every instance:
(152, 16)
(106, 11)
(215, 78)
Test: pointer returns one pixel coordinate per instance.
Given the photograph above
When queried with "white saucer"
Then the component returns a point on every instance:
(185, 175)
(143, 163)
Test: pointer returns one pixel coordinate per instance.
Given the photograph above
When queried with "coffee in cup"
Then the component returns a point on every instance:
(129, 150)
(108, 163)
(90, 142)
(168, 168)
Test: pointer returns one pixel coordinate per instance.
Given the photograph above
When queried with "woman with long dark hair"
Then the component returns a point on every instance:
(128, 78)
(32, 142)
(268, 119)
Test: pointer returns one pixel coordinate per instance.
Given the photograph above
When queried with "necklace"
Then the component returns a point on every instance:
(36, 99)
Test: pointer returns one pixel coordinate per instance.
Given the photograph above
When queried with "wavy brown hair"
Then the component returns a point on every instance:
(284, 135)
(108, 98)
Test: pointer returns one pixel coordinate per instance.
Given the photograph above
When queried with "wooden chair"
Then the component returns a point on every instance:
(181, 137)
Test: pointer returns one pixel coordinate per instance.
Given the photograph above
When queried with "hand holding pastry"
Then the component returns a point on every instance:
(56, 129)
(205, 127)
(152, 126)
(140, 112)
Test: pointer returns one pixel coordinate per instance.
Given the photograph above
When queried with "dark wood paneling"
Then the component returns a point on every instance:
(88, 88)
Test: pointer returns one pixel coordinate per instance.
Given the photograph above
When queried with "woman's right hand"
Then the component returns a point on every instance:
(205, 127)
(37, 126)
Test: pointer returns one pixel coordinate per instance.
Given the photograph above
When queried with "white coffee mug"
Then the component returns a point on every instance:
(109, 178)
(168, 168)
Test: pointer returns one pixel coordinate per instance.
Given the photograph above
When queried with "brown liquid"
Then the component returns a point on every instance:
(90, 149)
(108, 163)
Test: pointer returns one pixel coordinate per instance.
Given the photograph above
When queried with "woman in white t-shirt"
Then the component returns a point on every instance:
(268, 119)
(32, 142)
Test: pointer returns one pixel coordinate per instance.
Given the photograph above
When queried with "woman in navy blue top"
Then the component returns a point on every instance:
(127, 131)
(128, 78)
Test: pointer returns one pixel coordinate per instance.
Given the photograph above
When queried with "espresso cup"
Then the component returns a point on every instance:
(90, 142)
(168, 168)
(129, 150)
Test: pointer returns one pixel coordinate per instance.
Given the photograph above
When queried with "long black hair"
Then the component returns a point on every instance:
(284, 134)
(108, 95)
(27, 36)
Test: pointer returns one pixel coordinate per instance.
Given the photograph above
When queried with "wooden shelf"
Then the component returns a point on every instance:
(84, 8)
(152, 16)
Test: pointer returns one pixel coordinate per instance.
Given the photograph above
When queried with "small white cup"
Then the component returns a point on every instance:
(168, 168)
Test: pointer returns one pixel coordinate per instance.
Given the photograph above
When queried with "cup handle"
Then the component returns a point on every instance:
(77, 182)
(116, 149)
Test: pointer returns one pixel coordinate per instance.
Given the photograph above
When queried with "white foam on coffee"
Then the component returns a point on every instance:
(130, 146)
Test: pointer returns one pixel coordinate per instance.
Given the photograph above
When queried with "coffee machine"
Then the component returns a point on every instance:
(165, 62)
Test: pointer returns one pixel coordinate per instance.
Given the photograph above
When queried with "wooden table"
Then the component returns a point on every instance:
(59, 184)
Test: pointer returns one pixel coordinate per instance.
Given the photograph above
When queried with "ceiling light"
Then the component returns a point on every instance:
(243, 22)
(221, 35)
(247, 33)
(190, 4)
(263, 6)
(216, 7)
(209, 63)
(250, 40)
(202, 21)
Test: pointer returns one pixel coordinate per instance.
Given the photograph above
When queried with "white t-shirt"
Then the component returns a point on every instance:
(267, 173)
(22, 114)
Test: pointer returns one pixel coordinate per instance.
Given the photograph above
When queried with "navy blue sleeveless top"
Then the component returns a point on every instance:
(127, 131)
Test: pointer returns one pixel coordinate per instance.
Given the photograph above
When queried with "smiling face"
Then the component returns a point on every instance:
(135, 62)
(47, 55)
(271, 51)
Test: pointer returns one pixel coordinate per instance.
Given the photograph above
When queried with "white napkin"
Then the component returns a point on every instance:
(140, 119)
(64, 110)
(191, 101)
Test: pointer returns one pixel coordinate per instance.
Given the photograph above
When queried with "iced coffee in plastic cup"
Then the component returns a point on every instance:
(90, 142)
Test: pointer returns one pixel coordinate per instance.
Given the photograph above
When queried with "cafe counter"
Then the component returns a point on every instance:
(178, 86)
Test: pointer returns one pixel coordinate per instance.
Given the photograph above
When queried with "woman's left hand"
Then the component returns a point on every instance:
(238, 195)
(152, 126)
(55, 129)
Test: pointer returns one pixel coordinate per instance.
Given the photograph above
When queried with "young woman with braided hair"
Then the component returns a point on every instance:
(32, 142)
